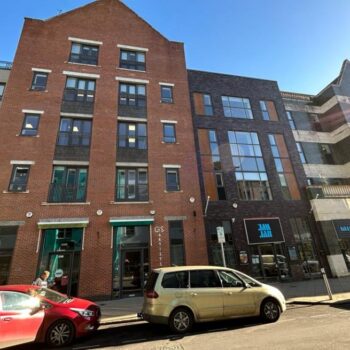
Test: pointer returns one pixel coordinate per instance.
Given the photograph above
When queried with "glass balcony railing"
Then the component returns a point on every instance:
(5, 65)
(328, 191)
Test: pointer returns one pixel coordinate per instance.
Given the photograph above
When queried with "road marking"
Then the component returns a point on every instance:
(321, 315)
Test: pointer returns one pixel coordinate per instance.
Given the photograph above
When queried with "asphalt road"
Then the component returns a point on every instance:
(300, 327)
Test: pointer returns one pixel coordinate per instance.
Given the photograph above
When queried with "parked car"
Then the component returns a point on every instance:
(54, 319)
(271, 267)
(180, 296)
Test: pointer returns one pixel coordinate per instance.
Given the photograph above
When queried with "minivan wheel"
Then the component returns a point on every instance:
(181, 320)
(270, 311)
(60, 333)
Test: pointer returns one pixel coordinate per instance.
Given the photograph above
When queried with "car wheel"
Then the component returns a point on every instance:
(60, 333)
(181, 320)
(270, 311)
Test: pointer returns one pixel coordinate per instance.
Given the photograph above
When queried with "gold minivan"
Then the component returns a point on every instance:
(180, 296)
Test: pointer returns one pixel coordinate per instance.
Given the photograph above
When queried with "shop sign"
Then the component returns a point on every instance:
(264, 230)
(342, 228)
(221, 234)
(243, 257)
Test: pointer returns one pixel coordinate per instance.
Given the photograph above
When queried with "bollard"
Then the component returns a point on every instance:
(325, 280)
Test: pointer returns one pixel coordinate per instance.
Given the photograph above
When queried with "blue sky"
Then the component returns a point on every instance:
(299, 43)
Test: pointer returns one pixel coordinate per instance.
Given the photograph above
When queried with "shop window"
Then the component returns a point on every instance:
(177, 249)
(39, 81)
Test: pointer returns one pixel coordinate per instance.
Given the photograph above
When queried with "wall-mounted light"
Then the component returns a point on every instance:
(29, 214)
(152, 212)
(192, 199)
(234, 205)
(99, 212)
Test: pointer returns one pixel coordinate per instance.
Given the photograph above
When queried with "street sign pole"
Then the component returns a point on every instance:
(223, 254)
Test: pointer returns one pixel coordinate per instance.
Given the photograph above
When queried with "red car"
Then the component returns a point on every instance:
(30, 313)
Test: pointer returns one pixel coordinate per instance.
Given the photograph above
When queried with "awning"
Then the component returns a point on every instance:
(131, 221)
(63, 223)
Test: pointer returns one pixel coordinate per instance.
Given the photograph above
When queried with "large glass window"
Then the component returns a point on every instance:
(249, 166)
(83, 53)
(301, 153)
(132, 185)
(39, 81)
(19, 178)
(177, 250)
(132, 135)
(172, 180)
(79, 90)
(68, 184)
(236, 107)
(74, 132)
(30, 125)
(132, 60)
(268, 110)
(132, 95)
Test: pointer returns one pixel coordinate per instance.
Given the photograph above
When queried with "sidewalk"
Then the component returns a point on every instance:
(302, 292)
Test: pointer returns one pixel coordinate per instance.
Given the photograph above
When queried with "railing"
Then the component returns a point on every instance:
(328, 191)
(5, 65)
(296, 96)
(60, 193)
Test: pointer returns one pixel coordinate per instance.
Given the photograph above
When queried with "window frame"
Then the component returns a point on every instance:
(127, 136)
(173, 231)
(128, 96)
(36, 87)
(170, 99)
(24, 124)
(132, 64)
(86, 93)
(243, 100)
(16, 183)
(167, 185)
(3, 90)
(84, 58)
(169, 137)
(71, 133)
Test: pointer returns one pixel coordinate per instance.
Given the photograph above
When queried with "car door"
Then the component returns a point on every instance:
(239, 299)
(205, 294)
(20, 318)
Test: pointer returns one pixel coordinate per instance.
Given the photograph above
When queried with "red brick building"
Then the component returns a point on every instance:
(98, 174)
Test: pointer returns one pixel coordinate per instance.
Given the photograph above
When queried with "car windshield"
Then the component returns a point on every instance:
(52, 295)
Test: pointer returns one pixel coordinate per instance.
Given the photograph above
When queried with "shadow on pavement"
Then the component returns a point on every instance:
(143, 332)
(344, 304)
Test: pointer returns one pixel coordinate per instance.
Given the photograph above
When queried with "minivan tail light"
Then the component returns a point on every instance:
(151, 294)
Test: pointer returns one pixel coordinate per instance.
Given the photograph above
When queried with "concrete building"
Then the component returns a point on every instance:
(252, 180)
(98, 173)
(321, 128)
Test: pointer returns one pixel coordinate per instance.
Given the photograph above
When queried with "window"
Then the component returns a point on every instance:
(82, 53)
(177, 250)
(19, 178)
(249, 166)
(166, 94)
(229, 279)
(284, 168)
(169, 135)
(39, 81)
(74, 132)
(301, 153)
(132, 95)
(132, 135)
(203, 104)
(79, 90)
(30, 125)
(220, 186)
(131, 185)
(68, 184)
(268, 110)
(290, 120)
(175, 280)
(236, 107)
(132, 60)
(2, 89)
(204, 279)
(172, 180)
(13, 301)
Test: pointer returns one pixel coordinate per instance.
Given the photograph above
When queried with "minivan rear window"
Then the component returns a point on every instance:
(175, 279)
(151, 282)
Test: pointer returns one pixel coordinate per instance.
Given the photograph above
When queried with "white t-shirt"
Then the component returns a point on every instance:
(40, 282)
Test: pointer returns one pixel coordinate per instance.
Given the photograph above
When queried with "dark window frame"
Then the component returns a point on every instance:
(15, 186)
(137, 185)
(34, 86)
(3, 90)
(26, 115)
(129, 96)
(164, 99)
(84, 58)
(176, 227)
(208, 108)
(169, 187)
(132, 64)
(75, 92)
(137, 136)
(71, 134)
(169, 139)
(291, 120)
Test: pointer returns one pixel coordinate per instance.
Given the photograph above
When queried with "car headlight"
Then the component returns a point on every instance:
(84, 312)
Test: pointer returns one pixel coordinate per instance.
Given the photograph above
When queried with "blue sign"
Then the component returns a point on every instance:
(265, 230)
(343, 228)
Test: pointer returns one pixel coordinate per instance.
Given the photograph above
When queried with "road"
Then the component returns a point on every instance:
(300, 327)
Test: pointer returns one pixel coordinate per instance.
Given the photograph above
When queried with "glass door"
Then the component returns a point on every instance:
(132, 272)
(64, 272)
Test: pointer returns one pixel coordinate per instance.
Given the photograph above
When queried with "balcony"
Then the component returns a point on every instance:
(5, 65)
(60, 193)
(328, 191)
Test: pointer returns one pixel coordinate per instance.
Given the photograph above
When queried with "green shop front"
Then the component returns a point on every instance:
(130, 241)
(61, 242)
